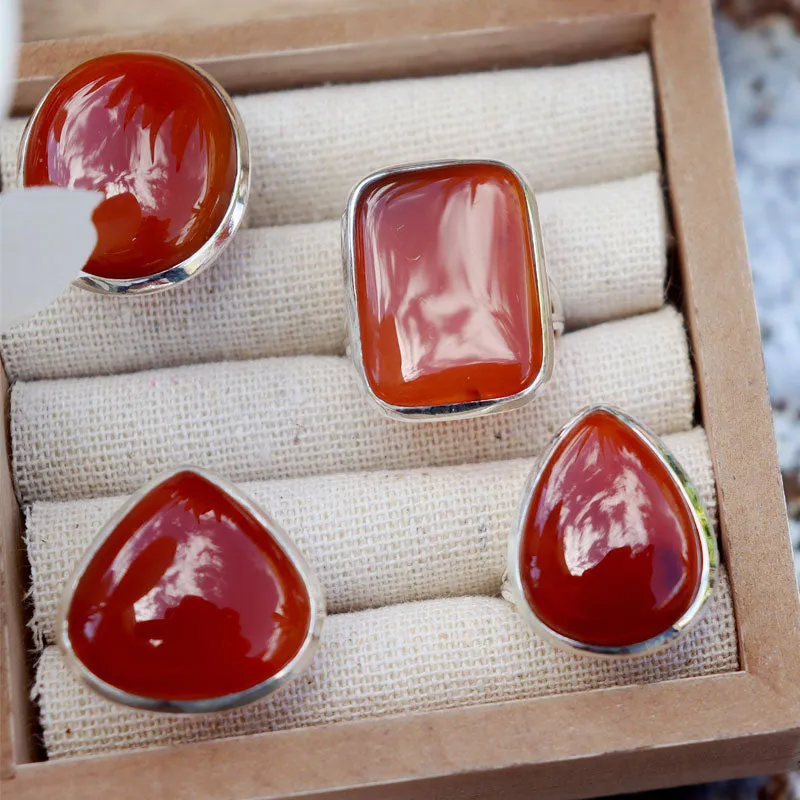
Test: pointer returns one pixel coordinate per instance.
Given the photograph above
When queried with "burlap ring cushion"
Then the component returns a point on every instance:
(242, 371)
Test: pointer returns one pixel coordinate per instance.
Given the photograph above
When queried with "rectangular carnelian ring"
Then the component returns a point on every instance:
(449, 304)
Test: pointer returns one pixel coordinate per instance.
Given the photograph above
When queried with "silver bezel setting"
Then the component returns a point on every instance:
(211, 249)
(708, 546)
(297, 665)
(549, 314)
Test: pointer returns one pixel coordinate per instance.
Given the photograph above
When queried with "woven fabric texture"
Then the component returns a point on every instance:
(404, 658)
(374, 538)
(292, 417)
(278, 292)
(10, 136)
(241, 371)
(559, 126)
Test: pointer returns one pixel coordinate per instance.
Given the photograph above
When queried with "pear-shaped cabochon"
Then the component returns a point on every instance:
(614, 546)
(189, 596)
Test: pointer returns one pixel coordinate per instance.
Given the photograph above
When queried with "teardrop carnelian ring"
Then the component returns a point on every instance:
(449, 306)
(191, 599)
(162, 141)
(612, 553)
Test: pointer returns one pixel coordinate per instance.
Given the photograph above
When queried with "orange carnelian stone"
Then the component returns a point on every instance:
(188, 598)
(610, 553)
(448, 304)
(156, 139)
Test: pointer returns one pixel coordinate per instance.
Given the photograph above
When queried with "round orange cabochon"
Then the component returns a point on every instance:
(155, 137)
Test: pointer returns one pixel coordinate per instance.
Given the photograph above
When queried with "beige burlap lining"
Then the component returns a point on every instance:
(423, 533)
(291, 417)
(429, 521)
(278, 292)
(10, 135)
(559, 126)
(403, 658)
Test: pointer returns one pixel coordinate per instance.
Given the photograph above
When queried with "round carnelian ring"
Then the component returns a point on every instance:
(612, 553)
(165, 145)
(190, 599)
(450, 309)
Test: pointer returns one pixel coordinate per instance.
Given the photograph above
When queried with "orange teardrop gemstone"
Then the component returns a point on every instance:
(153, 136)
(610, 552)
(189, 597)
(445, 276)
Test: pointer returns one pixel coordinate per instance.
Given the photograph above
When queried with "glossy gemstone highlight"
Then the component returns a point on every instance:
(445, 277)
(188, 598)
(153, 136)
(610, 553)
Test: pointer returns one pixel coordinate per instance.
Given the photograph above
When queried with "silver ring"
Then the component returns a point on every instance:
(514, 589)
(212, 247)
(304, 649)
(544, 326)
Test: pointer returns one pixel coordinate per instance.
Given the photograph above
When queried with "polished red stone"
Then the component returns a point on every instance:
(610, 554)
(448, 304)
(155, 138)
(189, 598)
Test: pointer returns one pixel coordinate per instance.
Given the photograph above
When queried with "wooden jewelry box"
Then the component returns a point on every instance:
(584, 743)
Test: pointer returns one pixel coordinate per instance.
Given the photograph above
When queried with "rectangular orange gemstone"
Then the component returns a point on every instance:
(445, 279)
